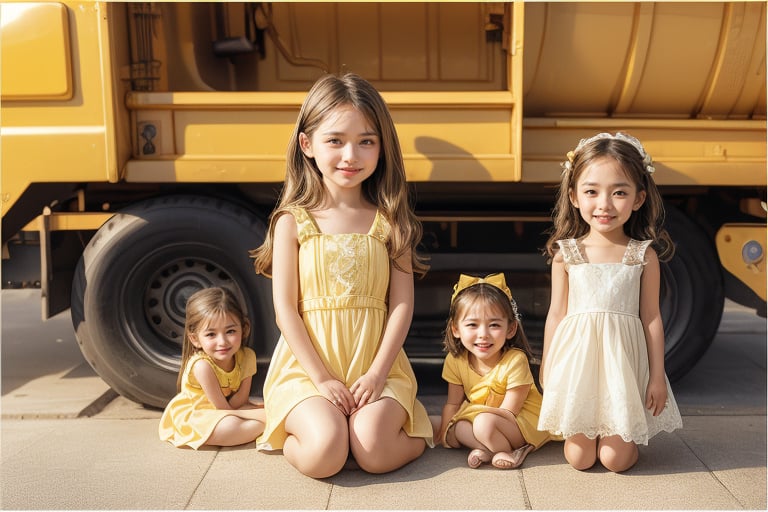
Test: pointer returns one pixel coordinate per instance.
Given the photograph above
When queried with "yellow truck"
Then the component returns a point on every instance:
(143, 147)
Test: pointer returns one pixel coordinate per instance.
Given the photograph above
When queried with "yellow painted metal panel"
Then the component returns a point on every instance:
(685, 152)
(64, 221)
(397, 46)
(662, 60)
(226, 134)
(432, 128)
(741, 248)
(35, 52)
(271, 169)
(67, 140)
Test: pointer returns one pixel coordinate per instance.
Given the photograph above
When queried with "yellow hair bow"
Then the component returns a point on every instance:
(496, 280)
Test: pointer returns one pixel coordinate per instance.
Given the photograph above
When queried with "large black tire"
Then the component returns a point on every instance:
(692, 295)
(132, 282)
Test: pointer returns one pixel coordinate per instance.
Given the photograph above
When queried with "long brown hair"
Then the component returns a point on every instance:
(202, 307)
(386, 188)
(647, 223)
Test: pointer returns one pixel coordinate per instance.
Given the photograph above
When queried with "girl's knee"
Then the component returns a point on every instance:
(617, 455)
(581, 461)
(318, 440)
(314, 458)
(484, 425)
(384, 458)
(580, 452)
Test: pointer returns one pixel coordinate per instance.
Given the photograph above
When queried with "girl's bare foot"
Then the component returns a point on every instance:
(477, 457)
(511, 460)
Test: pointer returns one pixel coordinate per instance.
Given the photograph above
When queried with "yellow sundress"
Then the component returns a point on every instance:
(484, 393)
(189, 418)
(343, 285)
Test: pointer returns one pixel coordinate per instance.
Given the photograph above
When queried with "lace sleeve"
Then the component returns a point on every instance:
(635, 253)
(571, 252)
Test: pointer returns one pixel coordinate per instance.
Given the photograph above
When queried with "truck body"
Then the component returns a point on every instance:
(143, 148)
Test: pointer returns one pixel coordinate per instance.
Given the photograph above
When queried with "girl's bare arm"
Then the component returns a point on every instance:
(650, 315)
(240, 397)
(452, 404)
(558, 307)
(207, 379)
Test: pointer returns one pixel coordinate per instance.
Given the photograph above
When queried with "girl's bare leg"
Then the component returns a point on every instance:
(502, 437)
(233, 431)
(318, 438)
(616, 454)
(496, 433)
(463, 435)
(377, 439)
(580, 451)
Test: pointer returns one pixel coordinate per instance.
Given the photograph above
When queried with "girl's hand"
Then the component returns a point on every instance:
(656, 396)
(367, 389)
(337, 393)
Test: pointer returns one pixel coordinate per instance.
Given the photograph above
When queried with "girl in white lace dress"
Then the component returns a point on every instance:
(605, 388)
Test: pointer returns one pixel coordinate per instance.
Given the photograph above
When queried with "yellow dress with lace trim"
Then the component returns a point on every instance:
(485, 393)
(343, 285)
(189, 418)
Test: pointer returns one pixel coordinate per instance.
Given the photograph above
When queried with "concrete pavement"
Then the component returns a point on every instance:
(67, 443)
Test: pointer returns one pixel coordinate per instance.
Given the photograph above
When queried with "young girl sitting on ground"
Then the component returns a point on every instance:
(212, 406)
(493, 404)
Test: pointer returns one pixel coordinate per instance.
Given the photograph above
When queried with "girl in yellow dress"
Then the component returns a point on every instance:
(340, 250)
(212, 406)
(493, 404)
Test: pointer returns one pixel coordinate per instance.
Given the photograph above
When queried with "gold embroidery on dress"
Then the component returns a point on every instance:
(344, 254)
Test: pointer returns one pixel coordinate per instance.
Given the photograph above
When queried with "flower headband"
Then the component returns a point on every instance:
(647, 161)
(495, 280)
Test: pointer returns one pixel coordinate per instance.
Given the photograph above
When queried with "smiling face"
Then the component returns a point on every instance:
(220, 339)
(605, 196)
(483, 332)
(345, 148)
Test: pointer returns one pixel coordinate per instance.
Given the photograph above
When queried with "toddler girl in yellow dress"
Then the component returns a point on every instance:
(212, 405)
(493, 404)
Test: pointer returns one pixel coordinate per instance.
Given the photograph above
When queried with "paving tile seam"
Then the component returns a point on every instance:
(38, 416)
(727, 490)
(202, 479)
(712, 473)
(526, 499)
(330, 495)
(721, 414)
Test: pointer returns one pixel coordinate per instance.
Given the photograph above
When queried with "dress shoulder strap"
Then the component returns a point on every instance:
(571, 250)
(635, 253)
(305, 224)
(380, 228)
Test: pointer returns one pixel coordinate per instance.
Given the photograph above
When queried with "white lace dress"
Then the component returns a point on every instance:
(597, 367)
